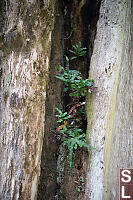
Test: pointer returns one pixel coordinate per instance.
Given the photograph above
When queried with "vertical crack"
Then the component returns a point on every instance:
(66, 19)
(90, 16)
(48, 179)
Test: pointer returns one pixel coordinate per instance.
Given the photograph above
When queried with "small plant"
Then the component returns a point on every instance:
(79, 188)
(62, 116)
(80, 86)
(78, 51)
(80, 185)
(70, 133)
(67, 75)
(75, 138)
(73, 81)
(82, 180)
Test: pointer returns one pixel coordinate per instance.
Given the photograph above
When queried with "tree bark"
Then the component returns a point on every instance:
(110, 111)
(26, 28)
(25, 55)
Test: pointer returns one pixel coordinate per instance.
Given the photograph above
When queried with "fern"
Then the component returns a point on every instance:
(73, 81)
(75, 85)
(78, 51)
(62, 116)
(74, 140)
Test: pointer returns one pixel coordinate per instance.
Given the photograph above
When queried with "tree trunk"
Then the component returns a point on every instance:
(110, 114)
(33, 36)
(26, 28)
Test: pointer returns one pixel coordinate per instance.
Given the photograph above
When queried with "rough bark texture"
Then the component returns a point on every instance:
(29, 50)
(26, 28)
(110, 114)
(48, 179)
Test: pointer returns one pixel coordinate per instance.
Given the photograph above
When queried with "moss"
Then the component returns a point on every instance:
(89, 113)
(29, 110)
(5, 48)
(17, 42)
(109, 132)
(35, 65)
(6, 96)
(26, 163)
(17, 114)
